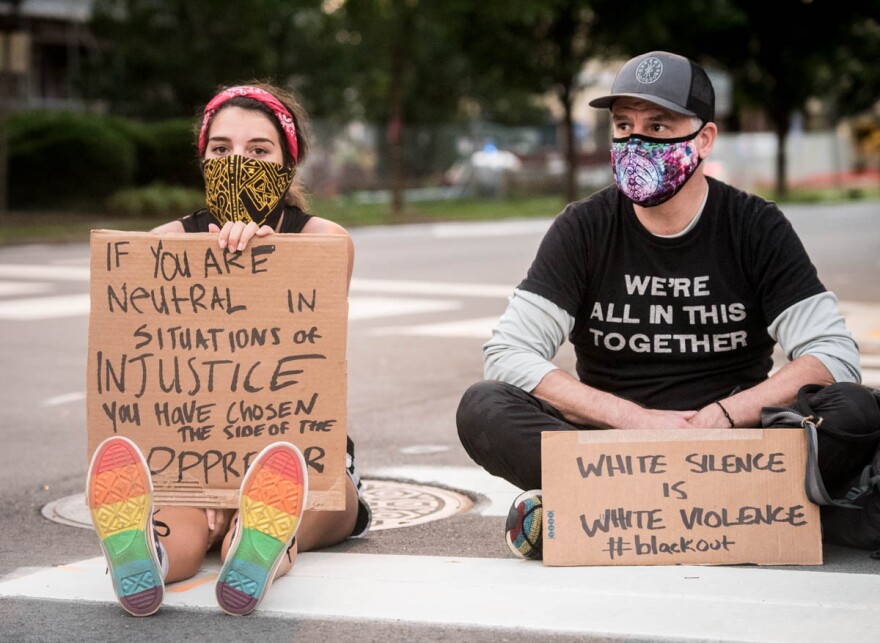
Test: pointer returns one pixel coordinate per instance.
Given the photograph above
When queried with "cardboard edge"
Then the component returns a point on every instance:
(558, 558)
(620, 436)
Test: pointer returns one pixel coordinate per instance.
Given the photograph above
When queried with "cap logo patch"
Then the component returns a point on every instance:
(649, 70)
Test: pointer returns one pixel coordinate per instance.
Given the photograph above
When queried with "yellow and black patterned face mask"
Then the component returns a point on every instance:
(241, 189)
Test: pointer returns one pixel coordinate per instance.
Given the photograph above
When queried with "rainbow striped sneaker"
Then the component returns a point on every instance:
(120, 498)
(271, 504)
(523, 529)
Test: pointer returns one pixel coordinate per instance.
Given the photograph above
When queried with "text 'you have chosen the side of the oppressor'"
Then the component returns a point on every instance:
(206, 355)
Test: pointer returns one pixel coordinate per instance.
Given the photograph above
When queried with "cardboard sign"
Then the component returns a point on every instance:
(203, 357)
(711, 496)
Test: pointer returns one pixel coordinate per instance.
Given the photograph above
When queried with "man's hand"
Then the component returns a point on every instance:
(587, 406)
(655, 419)
(709, 417)
(236, 235)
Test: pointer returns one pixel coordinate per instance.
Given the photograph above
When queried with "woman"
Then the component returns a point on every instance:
(251, 143)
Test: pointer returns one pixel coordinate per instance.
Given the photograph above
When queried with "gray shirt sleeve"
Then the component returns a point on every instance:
(527, 337)
(814, 326)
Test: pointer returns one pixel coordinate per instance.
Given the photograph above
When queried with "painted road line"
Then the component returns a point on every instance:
(44, 307)
(66, 398)
(509, 228)
(447, 289)
(497, 492)
(480, 328)
(18, 288)
(451, 230)
(48, 273)
(676, 602)
(37, 308)
(375, 307)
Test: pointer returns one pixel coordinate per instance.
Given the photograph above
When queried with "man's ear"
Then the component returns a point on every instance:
(706, 139)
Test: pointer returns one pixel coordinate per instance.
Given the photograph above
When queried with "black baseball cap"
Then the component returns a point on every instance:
(669, 80)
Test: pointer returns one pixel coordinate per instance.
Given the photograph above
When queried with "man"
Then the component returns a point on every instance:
(673, 288)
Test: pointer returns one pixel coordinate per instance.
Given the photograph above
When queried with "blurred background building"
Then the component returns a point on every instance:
(45, 44)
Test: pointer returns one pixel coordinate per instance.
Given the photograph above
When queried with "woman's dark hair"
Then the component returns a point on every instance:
(296, 195)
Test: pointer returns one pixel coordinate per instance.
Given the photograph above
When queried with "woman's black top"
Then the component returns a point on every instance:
(293, 221)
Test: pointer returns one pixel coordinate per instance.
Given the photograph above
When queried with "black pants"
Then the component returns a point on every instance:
(500, 427)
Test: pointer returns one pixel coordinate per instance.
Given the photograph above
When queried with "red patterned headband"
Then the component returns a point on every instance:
(281, 113)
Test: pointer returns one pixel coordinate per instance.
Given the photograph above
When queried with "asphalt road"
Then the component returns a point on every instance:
(425, 294)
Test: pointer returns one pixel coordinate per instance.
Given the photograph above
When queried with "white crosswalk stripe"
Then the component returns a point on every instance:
(18, 288)
(673, 602)
(707, 603)
(37, 308)
(47, 273)
(372, 299)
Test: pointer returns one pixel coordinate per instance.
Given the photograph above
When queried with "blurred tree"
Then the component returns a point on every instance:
(807, 49)
(817, 53)
(396, 62)
(404, 67)
(537, 46)
(162, 58)
(541, 46)
(406, 63)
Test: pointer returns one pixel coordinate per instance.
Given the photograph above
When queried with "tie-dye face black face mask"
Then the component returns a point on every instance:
(650, 171)
(241, 189)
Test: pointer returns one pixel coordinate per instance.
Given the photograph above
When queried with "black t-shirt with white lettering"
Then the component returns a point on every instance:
(673, 323)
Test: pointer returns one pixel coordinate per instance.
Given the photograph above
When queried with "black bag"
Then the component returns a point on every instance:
(843, 467)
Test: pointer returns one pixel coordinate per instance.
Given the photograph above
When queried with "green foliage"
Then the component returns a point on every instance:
(74, 161)
(157, 199)
(166, 58)
(166, 153)
(408, 63)
(65, 159)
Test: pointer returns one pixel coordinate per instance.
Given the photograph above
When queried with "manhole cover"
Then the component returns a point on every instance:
(401, 504)
(394, 504)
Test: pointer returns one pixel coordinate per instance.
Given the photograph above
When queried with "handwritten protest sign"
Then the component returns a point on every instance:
(203, 357)
(677, 497)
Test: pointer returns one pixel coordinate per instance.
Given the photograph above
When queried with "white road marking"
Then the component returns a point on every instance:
(870, 361)
(8, 288)
(51, 273)
(871, 377)
(63, 399)
(480, 328)
(509, 228)
(45, 307)
(452, 230)
(37, 308)
(863, 319)
(447, 289)
(373, 307)
(675, 602)
(424, 449)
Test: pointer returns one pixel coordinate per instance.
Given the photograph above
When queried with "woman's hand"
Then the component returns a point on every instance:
(236, 235)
